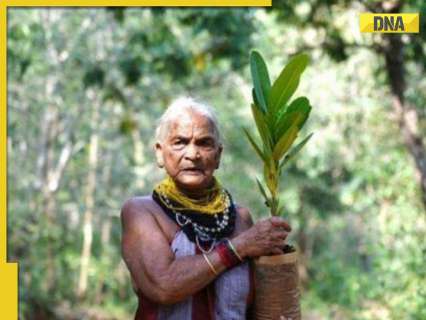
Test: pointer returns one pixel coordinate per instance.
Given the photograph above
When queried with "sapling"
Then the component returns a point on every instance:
(278, 122)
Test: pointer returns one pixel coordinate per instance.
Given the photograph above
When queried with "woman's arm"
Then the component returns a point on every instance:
(152, 264)
(166, 279)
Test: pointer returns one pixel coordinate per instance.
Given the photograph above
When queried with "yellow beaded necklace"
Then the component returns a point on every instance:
(215, 201)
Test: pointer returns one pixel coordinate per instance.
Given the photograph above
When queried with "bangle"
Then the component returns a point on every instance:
(227, 256)
(231, 246)
(212, 268)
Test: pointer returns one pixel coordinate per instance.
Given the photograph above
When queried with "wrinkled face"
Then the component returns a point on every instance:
(190, 153)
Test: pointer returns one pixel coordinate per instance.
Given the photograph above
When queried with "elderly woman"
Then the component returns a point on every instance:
(188, 245)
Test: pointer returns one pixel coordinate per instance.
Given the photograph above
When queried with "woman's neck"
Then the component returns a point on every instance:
(196, 194)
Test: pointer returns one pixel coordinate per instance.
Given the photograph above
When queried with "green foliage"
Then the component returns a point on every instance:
(290, 155)
(262, 125)
(94, 77)
(254, 145)
(277, 122)
(286, 83)
(261, 82)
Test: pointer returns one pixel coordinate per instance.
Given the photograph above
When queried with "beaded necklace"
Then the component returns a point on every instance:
(213, 199)
(204, 229)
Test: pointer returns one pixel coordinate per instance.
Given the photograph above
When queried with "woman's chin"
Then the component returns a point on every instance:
(193, 182)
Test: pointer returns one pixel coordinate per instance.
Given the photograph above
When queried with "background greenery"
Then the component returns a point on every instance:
(85, 87)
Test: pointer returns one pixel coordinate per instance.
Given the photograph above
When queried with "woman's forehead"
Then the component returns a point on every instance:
(191, 122)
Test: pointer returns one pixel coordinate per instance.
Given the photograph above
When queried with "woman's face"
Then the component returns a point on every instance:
(190, 152)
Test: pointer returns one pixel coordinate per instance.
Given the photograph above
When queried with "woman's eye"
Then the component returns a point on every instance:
(178, 142)
(207, 143)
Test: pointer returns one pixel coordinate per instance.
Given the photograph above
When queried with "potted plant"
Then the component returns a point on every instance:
(278, 122)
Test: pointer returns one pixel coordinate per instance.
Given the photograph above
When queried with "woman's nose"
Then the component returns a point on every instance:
(192, 152)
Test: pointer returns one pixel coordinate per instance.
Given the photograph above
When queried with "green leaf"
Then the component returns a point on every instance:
(295, 150)
(254, 145)
(285, 142)
(298, 111)
(287, 82)
(256, 102)
(261, 125)
(263, 191)
(286, 121)
(301, 105)
(259, 74)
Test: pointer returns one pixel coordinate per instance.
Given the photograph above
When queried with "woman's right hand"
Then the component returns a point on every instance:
(266, 237)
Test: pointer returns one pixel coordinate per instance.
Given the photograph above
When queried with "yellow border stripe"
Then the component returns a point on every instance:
(141, 3)
(8, 271)
(3, 133)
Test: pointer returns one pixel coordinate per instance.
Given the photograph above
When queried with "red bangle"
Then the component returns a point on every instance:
(227, 257)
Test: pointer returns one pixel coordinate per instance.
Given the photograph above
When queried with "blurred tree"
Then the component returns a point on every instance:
(396, 52)
(84, 90)
(326, 28)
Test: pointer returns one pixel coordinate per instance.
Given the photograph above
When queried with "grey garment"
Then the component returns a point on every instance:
(181, 246)
(231, 289)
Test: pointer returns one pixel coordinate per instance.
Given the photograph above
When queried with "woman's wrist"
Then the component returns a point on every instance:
(239, 246)
(233, 251)
(227, 254)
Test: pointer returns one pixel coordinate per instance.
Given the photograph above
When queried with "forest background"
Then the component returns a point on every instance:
(85, 87)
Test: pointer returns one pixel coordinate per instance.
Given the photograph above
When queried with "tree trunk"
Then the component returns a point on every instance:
(89, 200)
(106, 226)
(139, 158)
(50, 167)
(105, 238)
(407, 116)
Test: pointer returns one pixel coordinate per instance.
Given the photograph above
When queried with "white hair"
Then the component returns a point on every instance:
(180, 106)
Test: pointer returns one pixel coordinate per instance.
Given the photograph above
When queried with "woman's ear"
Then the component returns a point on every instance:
(159, 155)
(218, 156)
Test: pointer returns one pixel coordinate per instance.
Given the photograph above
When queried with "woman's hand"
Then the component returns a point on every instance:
(266, 237)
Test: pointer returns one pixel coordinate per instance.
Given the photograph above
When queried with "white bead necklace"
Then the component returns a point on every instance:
(201, 232)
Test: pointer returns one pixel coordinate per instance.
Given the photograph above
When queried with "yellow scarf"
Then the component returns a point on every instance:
(215, 201)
